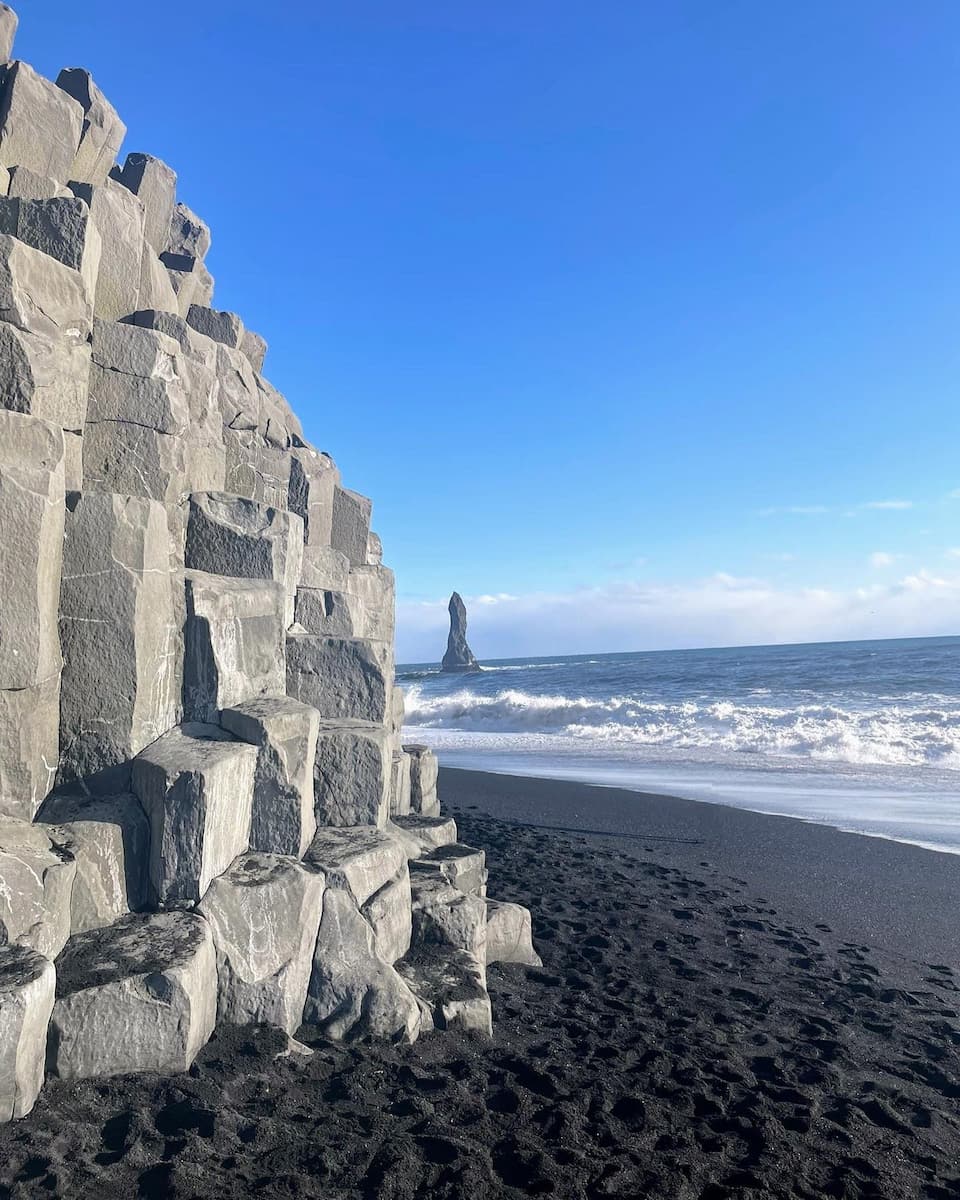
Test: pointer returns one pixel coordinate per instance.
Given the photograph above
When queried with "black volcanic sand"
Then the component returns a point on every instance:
(684, 1039)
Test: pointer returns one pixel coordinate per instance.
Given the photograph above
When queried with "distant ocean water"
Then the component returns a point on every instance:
(861, 735)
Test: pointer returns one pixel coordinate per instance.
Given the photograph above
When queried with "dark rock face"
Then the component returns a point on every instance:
(459, 656)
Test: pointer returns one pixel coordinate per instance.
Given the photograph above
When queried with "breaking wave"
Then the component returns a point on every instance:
(922, 733)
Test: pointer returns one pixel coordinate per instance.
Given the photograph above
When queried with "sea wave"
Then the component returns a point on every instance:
(891, 735)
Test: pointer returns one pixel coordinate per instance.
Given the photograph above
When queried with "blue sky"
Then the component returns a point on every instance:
(639, 320)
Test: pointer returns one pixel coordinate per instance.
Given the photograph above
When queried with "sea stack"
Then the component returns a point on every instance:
(459, 657)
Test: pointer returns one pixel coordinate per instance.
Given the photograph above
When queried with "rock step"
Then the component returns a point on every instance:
(430, 832)
(510, 934)
(452, 988)
(461, 866)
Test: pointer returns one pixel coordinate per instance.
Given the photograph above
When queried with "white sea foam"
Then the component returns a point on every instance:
(883, 734)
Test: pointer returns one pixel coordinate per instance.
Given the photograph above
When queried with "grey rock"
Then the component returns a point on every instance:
(374, 590)
(36, 878)
(400, 784)
(452, 987)
(442, 915)
(424, 771)
(25, 184)
(374, 550)
(459, 656)
(234, 643)
(350, 525)
(313, 480)
(109, 839)
(509, 934)
(45, 376)
(40, 125)
(324, 568)
(225, 327)
(254, 347)
(118, 215)
(429, 832)
(360, 859)
(196, 787)
(351, 777)
(189, 236)
(137, 376)
(134, 460)
(29, 735)
(463, 867)
(264, 912)
(326, 613)
(27, 984)
(156, 286)
(40, 294)
(155, 185)
(122, 672)
(285, 734)
(72, 460)
(353, 991)
(229, 535)
(340, 677)
(31, 548)
(397, 710)
(139, 995)
(103, 131)
(61, 227)
(8, 30)
(389, 913)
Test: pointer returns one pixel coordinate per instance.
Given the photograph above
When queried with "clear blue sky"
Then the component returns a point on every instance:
(589, 296)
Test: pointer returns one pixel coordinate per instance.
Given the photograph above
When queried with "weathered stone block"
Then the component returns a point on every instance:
(122, 671)
(452, 986)
(350, 525)
(61, 227)
(138, 376)
(109, 839)
(189, 236)
(234, 643)
(254, 347)
(400, 785)
(27, 985)
(445, 916)
(225, 327)
(134, 460)
(25, 184)
(36, 878)
(389, 913)
(313, 479)
(40, 125)
(326, 613)
(155, 186)
(156, 286)
(29, 734)
(360, 859)
(429, 832)
(353, 992)
(509, 934)
(118, 215)
(285, 734)
(424, 770)
(44, 376)
(31, 548)
(373, 589)
(341, 677)
(374, 550)
(324, 569)
(229, 535)
(139, 995)
(196, 787)
(40, 294)
(264, 912)
(463, 867)
(351, 777)
(102, 133)
(8, 30)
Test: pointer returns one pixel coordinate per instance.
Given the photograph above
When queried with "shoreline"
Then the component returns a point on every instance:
(897, 896)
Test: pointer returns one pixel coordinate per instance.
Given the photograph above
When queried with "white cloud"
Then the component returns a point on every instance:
(798, 510)
(954, 495)
(888, 504)
(880, 558)
(719, 610)
(953, 552)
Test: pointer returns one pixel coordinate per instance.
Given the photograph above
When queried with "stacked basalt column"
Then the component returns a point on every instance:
(206, 811)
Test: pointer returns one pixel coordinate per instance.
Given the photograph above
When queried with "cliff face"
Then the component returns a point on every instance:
(206, 811)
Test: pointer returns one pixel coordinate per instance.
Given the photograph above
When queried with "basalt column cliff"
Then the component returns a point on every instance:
(206, 811)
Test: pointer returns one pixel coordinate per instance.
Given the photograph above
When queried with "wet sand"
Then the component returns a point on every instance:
(711, 1021)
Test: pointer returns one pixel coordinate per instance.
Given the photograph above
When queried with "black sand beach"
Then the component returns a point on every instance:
(730, 1006)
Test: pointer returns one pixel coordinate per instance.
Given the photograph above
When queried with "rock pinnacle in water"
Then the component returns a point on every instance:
(459, 656)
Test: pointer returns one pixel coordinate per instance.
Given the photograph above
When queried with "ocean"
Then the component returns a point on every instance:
(864, 736)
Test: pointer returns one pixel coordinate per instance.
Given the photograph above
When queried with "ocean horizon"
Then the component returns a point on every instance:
(860, 735)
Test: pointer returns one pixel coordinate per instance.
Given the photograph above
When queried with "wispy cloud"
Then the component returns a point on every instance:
(719, 610)
(887, 504)
(953, 552)
(820, 510)
(798, 510)
(880, 558)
